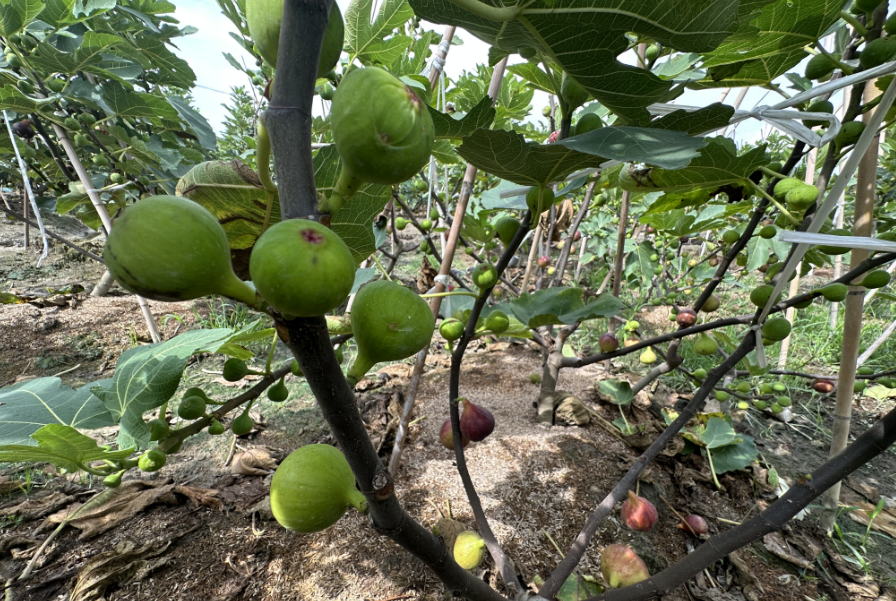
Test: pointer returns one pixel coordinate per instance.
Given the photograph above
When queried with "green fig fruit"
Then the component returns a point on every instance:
(573, 93)
(302, 268)
(113, 480)
(700, 374)
(469, 550)
(215, 428)
(295, 369)
(849, 133)
(235, 370)
(859, 386)
(743, 387)
(171, 249)
(875, 279)
(779, 387)
(263, 18)
(588, 122)
(87, 119)
(382, 130)
(800, 198)
(191, 408)
(648, 357)
(786, 185)
(705, 344)
(312, 488)
(506, 228)
(242, 424)
(759, 404)
(730, 236)
(765, 388)
(497, 322)
(158, 429)
(865, 371)
(278, 392)
(485, 276)
(721, 395)
(836, 250)
(25, 87)
(426, 225)
(776, 329)
(72, 124)
(835, 293)
(400, 223)
(819, 66)
(783, 401)
(420, 185)
(539, 200)
(890, 24)
(652, 52)
(877, 52)
(152, 460)
(535, 378)
(451, 329)
(776, 408)
(768, 232)
(819, 106)
(390, 323)
(760, 295)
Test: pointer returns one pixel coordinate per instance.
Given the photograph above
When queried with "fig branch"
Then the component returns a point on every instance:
(869, 445)
(505, 567)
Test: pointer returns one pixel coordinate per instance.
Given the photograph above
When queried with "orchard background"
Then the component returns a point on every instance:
(663, 344)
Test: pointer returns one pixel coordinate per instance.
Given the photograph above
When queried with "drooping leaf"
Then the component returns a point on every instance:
(619, 391)
(534, 76)
(559, 306)
(447, 127)
(196, 122)
(31, 405)
(735, 456)
(654, 146)
(63, 446)
(147, 376)
(578, 588)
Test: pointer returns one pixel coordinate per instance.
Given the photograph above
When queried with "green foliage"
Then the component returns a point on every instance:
(238, 139)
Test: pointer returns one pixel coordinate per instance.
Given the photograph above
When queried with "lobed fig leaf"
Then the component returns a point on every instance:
(171, 249)
(312, 488)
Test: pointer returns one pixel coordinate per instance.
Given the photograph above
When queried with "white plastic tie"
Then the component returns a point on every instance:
(444, 280)
(761, 359)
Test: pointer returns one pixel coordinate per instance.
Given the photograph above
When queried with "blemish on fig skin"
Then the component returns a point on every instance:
(311, 236)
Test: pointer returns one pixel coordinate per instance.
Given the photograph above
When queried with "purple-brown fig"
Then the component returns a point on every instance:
(476, 422)
(638, 513)
(622, 567)
(446, 436)
(694, 524)
(607, 343)
(823, 386)
(686, 317)
(544, 261)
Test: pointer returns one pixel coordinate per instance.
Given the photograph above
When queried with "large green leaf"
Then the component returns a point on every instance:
(15, 14)
(147, 376)
(126, 103)
(654, 146)
(534, 76)
(733, 457)
(694, 123)
(31, 405)
(619, 391)
(585, 37)
(240, 210)
(509, 156)
(196, 122)
(354, 221)
(447, 127)
(376, 42)
(172, 69)
(63, 446)
(559, 306)
(771, 42)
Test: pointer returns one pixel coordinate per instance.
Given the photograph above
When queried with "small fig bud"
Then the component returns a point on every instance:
(823, 386)
(535, 378)
(621, 566)
(476, 422)
(446, 436)
(607, 343)
(686, 317)
(694, 524)
(638, 513)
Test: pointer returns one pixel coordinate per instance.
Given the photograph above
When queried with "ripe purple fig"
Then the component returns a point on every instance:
(544, 261)
(577, 236)
(622, 567)
(446, 436)
(686, 317)
(476, 422)
(823, 386)
(694, 524)
(607, 343)
(638, 513)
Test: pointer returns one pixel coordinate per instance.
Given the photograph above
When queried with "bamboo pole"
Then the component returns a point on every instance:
(852, 325)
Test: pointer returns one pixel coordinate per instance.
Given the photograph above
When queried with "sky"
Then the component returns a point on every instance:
(204, 51)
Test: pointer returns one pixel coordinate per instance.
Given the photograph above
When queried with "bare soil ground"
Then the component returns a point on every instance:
(200, 529)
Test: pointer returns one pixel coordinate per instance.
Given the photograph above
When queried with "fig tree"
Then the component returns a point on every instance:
(302, 268)
(382, 130)
(263, 18)
(171, 249)
(312, 488)
(390, 323)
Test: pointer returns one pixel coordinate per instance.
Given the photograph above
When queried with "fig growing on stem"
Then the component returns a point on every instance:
(686, 317)
(302, 268)
(312, 488)
(390, 323)
(694, 524)
(446, 436)
(638, 513)
(469, 550)
(485, 276)
(607, 343)
(822, 385)
(167, 248)
(476, 422)
(621, 566)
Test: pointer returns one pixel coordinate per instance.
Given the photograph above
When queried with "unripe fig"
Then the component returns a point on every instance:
(694, 524)
(876, 279)
(546, 111)
(721, 395)
(836, 250)
(776, 408)
(216, 428)
(302, 268)
(171, 249)
(382, 129)
(420, 185)
(235, 370)
(551, 270)
(424, 246)
(819, 67)
(743, 405)
(588, 122)
(638, 513)
(390, 323)
(296, 369)
(400, 223)
(113, 480)
(607, 343)
(648, 357)
(426, 225)
(621, 566)
(278, 392)
(652, 52)
(242, 424)
(711, 305)
(506, 228)
(705, 344)
(572, 92)
(822, 385)
(761, 405)
(835, 293)
(801, 197)
(700, 374)
(476, 422)
(544, 261)
(158, 429)
(859, 386)
(451, 329)
(761, 294)
(768, 232)
(191, 408)
(446, 436)
(783, 401)
(539, 200)
(779, 387)
(850, 133)
(535, 378)
(743, 387)
(786, 185)
(485, 276)
(776, 329)
(469, 550)
(152, 460)
(730, 236)
(819, 106)
(686, 317)
(312, 488)
(497, 322)
(765, 388)
(434, 213)
(263, 18)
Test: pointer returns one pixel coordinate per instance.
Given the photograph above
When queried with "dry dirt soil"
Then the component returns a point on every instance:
(201, 528)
